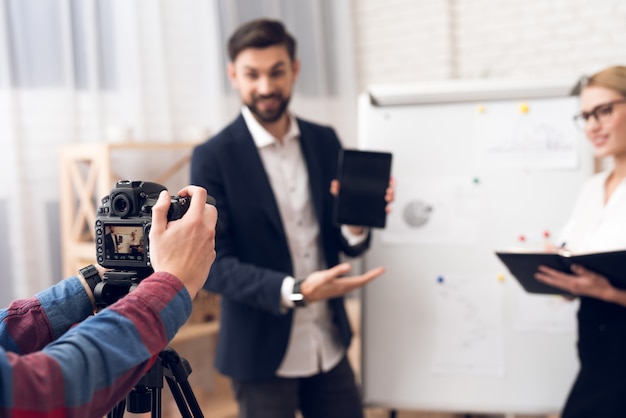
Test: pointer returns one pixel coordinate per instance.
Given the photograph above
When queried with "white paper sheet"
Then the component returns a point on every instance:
(468, 331)
(507, 137)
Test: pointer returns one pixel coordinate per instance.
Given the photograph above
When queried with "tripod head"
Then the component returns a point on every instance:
(116, 284)
(146, 395)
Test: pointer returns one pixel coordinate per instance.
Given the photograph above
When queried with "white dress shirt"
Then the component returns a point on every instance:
(314, 344)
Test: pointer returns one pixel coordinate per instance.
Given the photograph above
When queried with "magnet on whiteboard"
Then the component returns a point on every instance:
(524, 108)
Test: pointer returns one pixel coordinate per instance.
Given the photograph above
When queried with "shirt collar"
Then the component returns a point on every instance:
(261, 137)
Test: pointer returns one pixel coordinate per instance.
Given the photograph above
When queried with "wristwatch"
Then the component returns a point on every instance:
(91, 276)
(296, 294)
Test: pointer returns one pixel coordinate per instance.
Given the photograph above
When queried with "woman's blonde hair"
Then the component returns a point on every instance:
(613, 78)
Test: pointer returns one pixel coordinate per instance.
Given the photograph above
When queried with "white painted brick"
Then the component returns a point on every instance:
(489, 37)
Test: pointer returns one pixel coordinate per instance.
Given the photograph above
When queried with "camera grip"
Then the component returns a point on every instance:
(179, 206)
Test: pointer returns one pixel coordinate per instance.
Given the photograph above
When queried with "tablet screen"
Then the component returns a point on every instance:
(364, 179)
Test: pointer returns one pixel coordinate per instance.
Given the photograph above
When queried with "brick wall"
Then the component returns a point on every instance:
(411, 41)
(401, 40)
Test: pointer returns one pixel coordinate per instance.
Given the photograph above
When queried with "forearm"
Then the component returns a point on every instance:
(95, 364)
(616, 296)
(246, 283)
(29, 325)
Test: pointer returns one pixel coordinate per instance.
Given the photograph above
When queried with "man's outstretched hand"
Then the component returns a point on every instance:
(330, 283)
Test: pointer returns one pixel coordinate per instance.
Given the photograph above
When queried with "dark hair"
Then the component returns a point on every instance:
(260, 33)
(613, 78)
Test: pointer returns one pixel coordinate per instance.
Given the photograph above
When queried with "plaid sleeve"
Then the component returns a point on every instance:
(29, 325)
(91, 367)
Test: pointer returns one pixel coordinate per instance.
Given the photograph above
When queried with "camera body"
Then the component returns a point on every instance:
(123, 224)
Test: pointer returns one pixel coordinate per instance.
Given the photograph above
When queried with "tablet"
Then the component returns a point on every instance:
(364, 178)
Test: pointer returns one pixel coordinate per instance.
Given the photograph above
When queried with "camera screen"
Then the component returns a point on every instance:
(124, 242)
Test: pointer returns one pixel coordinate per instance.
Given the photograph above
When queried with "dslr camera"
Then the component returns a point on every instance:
(122, 228)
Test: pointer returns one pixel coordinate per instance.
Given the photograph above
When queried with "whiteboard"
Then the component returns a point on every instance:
(446, 328)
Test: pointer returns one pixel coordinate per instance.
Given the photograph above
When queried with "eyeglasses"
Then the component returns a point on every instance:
(601, 113)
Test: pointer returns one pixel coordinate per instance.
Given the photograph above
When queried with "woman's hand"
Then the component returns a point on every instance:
(581, 282)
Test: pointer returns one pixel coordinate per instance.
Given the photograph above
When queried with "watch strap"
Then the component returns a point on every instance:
(91, 276)
(296, 295)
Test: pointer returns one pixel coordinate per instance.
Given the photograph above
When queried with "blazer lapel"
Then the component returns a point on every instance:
(311, 157)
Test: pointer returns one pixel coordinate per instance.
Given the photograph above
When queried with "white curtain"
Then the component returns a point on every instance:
(133, 70)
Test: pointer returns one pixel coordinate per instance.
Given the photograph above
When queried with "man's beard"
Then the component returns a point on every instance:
(269, 116)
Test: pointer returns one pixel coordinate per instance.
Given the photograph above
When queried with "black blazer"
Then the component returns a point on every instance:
(252, 253)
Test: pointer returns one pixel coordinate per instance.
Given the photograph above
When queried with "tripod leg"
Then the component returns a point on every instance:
(156, 403)
(191, 399)
(178, 369)
(118, 410)
(178, 396)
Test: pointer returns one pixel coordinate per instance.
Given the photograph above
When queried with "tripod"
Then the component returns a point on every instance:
(146, 395)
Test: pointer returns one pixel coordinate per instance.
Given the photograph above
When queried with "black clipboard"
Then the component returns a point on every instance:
(524, 265)
(364, 178)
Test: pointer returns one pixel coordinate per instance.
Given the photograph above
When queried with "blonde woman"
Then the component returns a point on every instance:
(598, 223)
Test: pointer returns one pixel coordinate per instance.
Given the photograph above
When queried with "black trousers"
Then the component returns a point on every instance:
(326, 395)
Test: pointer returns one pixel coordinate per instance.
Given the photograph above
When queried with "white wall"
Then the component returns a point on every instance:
(417, 40)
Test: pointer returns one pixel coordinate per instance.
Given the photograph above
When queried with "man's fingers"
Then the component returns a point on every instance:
(198, 198)
(334, 187)
(331, 283)
(339, 270)
(374, 273)
(348, 284)
(159, 212)
(353, 282)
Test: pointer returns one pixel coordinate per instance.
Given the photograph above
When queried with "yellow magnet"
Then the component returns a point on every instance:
(524, 108)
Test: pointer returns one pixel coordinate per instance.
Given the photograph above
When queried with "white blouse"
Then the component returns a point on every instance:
(593, 225)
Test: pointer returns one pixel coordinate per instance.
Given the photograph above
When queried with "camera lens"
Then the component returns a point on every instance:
(121, 205)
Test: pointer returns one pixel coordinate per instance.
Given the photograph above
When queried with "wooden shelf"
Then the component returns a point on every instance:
(192, 331)
(87, 174)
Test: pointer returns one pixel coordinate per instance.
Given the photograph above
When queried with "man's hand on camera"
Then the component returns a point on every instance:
(184, 247)
(327, 284)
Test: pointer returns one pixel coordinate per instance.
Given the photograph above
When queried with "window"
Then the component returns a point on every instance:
(37, 37)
